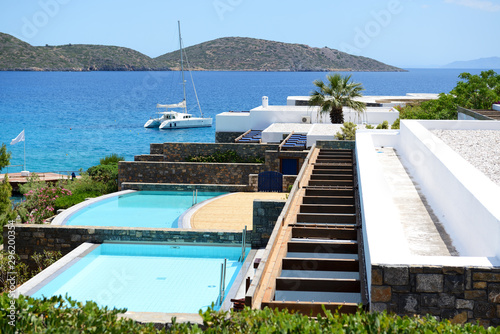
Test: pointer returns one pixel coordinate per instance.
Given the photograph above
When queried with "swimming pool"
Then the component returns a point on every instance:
(147, 277)
(158, 209)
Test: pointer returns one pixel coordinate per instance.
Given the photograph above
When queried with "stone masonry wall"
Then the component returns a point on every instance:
(179, 152)
(227, 137)
(156, 148)
(265, 213)
(31, 238)
(461, 294)
(336, 144)
(186, 172)
(149, 157)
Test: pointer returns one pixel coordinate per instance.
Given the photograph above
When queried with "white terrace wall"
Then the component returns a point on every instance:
(464, 199)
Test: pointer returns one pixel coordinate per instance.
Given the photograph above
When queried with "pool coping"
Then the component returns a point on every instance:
(184, 220)
(62, 218)
(47, 275)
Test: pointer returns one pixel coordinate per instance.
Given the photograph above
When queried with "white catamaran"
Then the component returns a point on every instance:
(169, 119)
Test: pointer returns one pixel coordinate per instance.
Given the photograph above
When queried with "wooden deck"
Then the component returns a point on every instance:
(16, 179)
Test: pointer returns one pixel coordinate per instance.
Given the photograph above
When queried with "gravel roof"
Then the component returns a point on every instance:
(481, 148)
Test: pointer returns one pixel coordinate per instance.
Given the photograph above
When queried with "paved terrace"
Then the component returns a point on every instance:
(423, 231)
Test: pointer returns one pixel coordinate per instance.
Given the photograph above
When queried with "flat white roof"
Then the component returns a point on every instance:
(381, 98)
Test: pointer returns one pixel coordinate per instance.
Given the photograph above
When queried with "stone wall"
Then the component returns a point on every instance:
(31, 238)
(180, 152)
(149, 157)
(184, 187)
(226, 137)
(461, 294)
(336, 144)
(186, 172)
(265, 214)
(156, 148)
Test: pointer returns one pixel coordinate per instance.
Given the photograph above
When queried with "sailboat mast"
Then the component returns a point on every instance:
(182, 67)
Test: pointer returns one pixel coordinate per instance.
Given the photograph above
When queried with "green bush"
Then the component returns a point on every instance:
(64, 315)
(228, 156)
(384, 125)
(395, 125)
(111, 159)
(105, 174)
(69, 201)
(348, 132)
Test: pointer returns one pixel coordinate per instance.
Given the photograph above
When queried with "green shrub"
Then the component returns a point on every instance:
(384, 125)
(370, 127)
(228, 156)
(348, 132)
(111, 159)
(395, 125)
(64, 315)
(69, 201)
(105, 174)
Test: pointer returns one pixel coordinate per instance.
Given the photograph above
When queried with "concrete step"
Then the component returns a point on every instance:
(297, 262)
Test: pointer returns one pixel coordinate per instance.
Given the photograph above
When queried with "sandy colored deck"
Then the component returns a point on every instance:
(231, 212)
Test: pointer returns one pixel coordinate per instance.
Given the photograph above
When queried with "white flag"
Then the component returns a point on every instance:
(20, 137)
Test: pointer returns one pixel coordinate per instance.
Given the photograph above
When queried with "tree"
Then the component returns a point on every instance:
(338, 92)
(478, 91)
(4, 157)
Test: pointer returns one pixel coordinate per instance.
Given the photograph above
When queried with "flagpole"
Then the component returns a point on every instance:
(24, 150)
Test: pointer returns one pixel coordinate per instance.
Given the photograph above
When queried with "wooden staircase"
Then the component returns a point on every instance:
(322, 262)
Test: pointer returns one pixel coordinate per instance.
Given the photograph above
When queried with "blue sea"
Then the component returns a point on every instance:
(72, 119)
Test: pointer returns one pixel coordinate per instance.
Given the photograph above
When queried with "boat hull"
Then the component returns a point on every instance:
(186, 123)
(152, 123)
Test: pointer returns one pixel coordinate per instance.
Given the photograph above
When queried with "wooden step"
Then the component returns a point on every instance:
(330, 218)
(325, 208)
(339, 165)
(331, 177)
(329, 192)
(337, 171)
(302, 231)
(328, 200)
(344, 247)
(317, 284)
(329, 183)
(290, 263)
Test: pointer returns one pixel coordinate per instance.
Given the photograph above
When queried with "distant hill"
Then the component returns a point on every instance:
(250, 54)
(229, 54)
(482, 63)
(16, 55)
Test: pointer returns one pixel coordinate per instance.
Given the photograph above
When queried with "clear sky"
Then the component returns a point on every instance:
(405, 33)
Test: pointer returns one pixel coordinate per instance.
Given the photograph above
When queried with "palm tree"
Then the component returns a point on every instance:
(338, 92)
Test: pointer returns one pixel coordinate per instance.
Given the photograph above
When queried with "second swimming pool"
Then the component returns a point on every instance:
(158, 209)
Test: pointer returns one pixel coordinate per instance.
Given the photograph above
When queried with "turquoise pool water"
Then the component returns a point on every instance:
(148, 278)
(160, 209)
